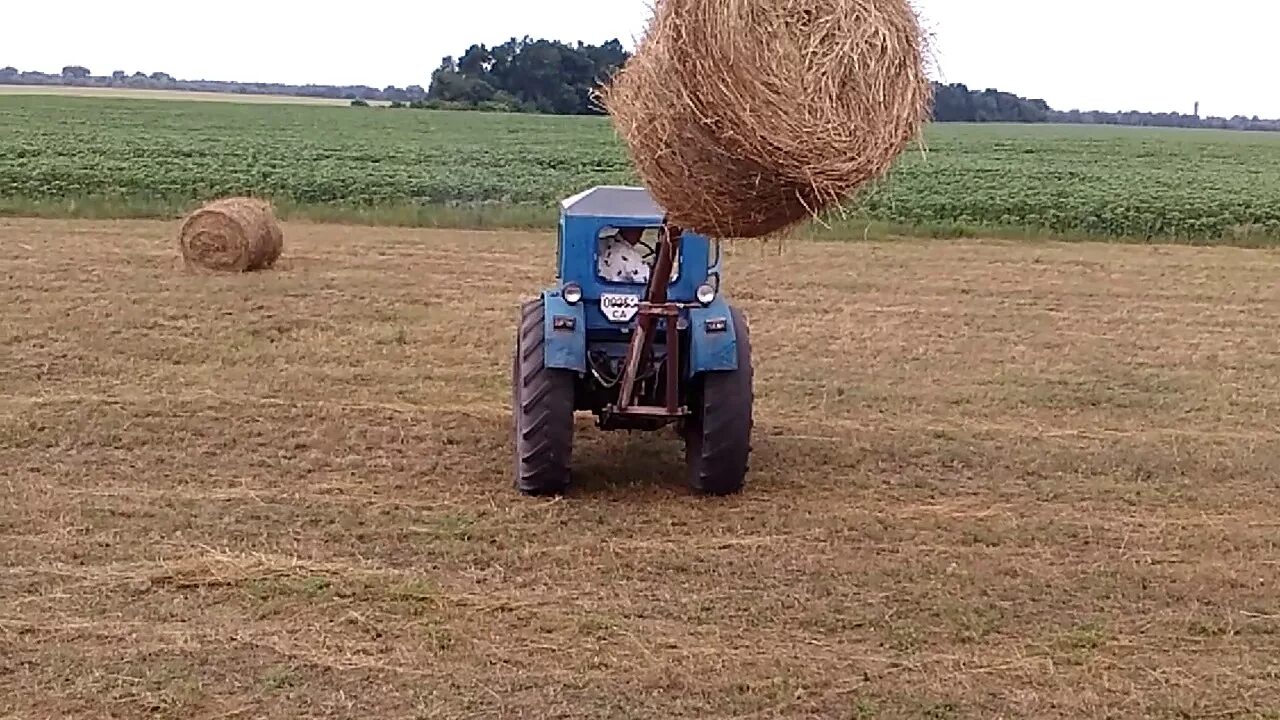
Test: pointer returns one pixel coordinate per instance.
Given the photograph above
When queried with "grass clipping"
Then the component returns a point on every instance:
(231, 235)
(745, 117)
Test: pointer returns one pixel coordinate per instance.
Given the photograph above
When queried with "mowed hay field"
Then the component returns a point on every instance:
(97, 157)
(991, 480)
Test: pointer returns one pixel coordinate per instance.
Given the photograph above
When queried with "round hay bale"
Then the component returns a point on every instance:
(744, 117)
(237, 234)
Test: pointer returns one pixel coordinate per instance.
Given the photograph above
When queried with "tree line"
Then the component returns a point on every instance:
(551, 77)
(957, 103)
(529, 75)
(79, 76)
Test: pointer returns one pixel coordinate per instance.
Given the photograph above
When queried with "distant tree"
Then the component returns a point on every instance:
(449, 84)
(475, 62)
(526, 74)
(75, 72)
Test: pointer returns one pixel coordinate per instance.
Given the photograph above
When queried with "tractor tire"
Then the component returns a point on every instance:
(542, 410)
(718, 435)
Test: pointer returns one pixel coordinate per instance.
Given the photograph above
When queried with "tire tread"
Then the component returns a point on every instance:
(719, 446)
(543, 410)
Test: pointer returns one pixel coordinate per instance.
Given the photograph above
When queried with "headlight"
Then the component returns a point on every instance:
(572, 293)
(706, 294)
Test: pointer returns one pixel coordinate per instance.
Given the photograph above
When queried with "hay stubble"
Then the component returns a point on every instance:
(991, 480)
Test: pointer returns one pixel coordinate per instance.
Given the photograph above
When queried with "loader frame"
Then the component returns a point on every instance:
(653, 307)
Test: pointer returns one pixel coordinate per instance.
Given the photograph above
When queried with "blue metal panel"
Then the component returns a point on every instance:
(565, 326)
(712, 350)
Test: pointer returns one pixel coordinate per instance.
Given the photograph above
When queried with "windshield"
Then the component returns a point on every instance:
(627, 255)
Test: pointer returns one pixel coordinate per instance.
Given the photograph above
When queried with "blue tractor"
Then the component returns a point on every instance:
(637, 332)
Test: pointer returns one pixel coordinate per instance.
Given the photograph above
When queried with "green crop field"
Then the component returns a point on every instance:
(107, 157)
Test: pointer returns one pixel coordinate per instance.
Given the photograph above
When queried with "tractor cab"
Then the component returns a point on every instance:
(608, 244)
(635, 331)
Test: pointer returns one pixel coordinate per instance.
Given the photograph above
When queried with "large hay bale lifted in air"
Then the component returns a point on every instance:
(745, 117)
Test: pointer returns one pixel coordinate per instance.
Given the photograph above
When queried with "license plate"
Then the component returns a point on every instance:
(618, 307)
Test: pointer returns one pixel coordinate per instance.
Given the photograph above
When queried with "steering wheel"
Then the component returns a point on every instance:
(649, 257)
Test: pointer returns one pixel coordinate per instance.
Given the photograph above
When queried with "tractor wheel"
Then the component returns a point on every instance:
(718, 435)
(542, 410)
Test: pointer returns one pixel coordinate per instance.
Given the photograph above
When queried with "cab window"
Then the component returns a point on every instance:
(627, 255)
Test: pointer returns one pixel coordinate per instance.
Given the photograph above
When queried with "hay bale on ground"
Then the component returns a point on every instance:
(744, 117)
(238, 234)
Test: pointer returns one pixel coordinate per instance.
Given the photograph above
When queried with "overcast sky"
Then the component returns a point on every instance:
(1088, 54)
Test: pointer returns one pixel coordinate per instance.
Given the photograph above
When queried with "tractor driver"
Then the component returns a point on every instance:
(621, 257)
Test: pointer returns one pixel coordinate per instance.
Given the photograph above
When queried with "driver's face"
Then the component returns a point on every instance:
(631, 235)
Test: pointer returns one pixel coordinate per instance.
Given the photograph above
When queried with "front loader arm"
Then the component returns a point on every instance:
(653, 306)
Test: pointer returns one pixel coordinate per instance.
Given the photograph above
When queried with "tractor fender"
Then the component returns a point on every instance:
(713, 345)
(565, 333)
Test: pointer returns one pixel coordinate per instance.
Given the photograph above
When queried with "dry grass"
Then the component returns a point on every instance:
(993, 480)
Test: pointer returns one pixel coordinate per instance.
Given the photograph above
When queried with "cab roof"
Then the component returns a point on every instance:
(613, 201)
